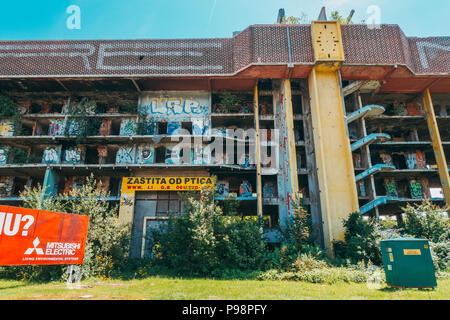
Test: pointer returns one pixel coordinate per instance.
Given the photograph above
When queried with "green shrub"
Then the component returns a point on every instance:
(441, 255)
(322, 275)
(361, 241)
(429, 221)
(107, 238)
(131, 108)
(17, 156)
(297, 241)
(9, 111)
(280, 258)
(297, 230)
(425, 220)
(306, 262)
(230, 101)
(202, 241)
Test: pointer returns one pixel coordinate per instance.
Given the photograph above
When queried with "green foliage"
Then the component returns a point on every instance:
(146, 124)
(7, 107)
(361, 241)
(79, 112)
(17, 156)
(230, 206)
(298, 241)
(308, 262)
(429, 221)
(81, 109)
(128, 108)
(337, 17)
(426, 220)
(107, 239)
(230, 101)
(298, 229)
(9, 111)
(239, 244)
(92, 127)
(388, 223)
(302, 19)
(319, 275)
(441, 255)
(203, 241)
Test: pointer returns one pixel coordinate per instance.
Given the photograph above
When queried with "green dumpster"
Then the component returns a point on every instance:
(407, 263)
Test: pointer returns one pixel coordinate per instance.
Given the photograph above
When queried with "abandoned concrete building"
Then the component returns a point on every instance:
(359, 119)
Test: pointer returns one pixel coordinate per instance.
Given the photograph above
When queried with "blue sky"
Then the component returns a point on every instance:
(135, 19)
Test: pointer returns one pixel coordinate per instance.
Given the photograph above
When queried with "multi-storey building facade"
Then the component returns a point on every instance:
(351, 118)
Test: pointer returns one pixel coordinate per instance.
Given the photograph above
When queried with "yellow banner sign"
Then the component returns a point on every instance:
(132, 184)
(411, 252)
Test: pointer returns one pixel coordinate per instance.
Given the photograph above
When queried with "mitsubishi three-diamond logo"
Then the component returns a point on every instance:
(35, 248)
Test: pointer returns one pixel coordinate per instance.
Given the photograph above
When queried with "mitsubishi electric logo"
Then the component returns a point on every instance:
(35, 248)
(52, 251)
(54, 248)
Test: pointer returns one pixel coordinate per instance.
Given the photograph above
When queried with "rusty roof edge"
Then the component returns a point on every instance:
(415, 58)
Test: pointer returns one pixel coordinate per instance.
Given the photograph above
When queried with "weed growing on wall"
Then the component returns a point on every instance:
(229, 102)
(128, 108)
(10, 112)
(81, 125)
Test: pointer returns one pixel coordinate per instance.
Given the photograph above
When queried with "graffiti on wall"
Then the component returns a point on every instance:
(6, 186)
(176, 105)
(146, 154)
(73, 155)
(6, 128)
(51, 155)
(56, 127)
(128, 127)
(3, 155)
(126, 155)
(416, 189)
(391, 187)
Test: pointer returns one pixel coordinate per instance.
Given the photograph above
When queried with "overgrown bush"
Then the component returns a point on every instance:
(230, 101)
(425, 220)
(441, 255)
(297, 241)
(131, 108)
(430, 221)
(361, 241)
(319, 275)
(107, 239)
(9, 111)
(307, 262)
(297, 230)
(203, 241)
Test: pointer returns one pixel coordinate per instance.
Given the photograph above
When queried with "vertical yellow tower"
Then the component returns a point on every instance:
(337, 185)
(437, 145)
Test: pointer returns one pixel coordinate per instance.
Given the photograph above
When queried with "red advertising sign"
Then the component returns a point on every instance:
(38, 237)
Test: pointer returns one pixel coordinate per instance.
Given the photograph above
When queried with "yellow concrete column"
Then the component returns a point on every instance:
(258, 153)
(127, 201)
(287, 96)
(437, 145)
(336, 177)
